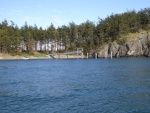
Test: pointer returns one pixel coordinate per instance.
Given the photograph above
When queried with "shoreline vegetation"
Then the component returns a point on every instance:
(39, 56)
(119, 35)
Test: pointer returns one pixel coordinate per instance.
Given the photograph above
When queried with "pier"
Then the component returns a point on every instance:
(78, 53)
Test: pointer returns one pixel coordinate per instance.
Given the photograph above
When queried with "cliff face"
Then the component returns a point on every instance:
(139, 47)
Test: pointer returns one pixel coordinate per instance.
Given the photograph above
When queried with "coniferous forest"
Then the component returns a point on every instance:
(88, 35)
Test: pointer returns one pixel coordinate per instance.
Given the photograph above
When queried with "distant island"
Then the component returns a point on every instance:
(118, 35)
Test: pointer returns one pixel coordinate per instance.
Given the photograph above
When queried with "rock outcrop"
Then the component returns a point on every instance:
(140, 47)
(134, 48)
(123, 50)
(114, 50)
(103, 52)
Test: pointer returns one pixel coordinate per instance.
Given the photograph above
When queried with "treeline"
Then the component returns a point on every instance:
(87, 35)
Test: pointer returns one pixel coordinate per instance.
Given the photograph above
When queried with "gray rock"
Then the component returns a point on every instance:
(148, 41)
(140, 47)
(143, 41)
(135, 48)
(92, 53)
(123, 50)
(148, 46)
(114, 48)
(146, 52)
(148, 37)
(103, 52)
(149, 53)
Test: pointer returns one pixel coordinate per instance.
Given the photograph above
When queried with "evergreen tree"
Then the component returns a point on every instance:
(86, 35)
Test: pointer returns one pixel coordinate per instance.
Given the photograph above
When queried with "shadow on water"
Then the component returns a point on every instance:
(7, 67)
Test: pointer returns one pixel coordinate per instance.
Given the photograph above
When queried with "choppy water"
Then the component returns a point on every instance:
(75, 86)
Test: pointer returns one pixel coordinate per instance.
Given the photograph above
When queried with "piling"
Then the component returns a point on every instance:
(111, 54)
(95, 55)
(87, 56)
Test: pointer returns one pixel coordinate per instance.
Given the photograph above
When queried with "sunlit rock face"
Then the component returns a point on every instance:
(140, 47)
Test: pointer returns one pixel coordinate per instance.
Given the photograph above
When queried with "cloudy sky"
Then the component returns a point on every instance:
(61, 12)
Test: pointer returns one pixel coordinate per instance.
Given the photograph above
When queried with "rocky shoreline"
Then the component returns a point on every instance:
(136, 48)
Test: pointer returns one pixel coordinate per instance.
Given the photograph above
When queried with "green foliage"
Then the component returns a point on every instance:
(36, 54)
(87, 35)
(9, 38)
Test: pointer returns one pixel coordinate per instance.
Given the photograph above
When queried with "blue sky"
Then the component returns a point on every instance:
(61, 12)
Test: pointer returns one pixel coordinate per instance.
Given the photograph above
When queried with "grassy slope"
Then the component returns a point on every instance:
(133, 36)
(130, 37)
(35, 55)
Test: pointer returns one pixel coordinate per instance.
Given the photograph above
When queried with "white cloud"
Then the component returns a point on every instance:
(15, 12)
(58, 21)
(26, 18)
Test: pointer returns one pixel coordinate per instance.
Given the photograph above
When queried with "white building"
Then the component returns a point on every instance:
(49, 46)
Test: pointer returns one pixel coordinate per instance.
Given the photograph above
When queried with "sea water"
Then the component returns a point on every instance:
(119, 85)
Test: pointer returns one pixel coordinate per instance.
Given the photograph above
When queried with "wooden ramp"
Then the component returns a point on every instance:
(78, 53)
(74, 52)
(52, 56)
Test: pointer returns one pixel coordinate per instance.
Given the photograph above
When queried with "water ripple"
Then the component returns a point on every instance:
(75, 86)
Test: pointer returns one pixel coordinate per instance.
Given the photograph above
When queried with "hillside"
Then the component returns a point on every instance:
(119, 28)
(131, 44)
